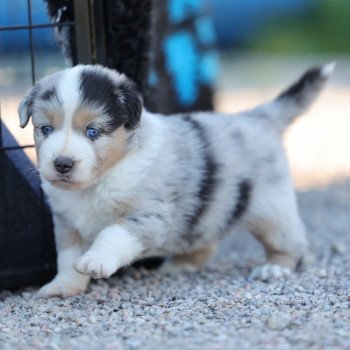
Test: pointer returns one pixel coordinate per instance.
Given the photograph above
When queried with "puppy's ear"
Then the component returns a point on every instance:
(25, 108)
(133, 104)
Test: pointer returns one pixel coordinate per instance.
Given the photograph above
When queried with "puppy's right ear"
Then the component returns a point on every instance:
(25, 108)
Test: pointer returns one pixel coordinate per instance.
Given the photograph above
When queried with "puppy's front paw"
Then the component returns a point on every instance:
(270, 272)
(96, 265)
(60, 288)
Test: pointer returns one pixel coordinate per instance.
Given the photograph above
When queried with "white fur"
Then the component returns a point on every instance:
(113, 248)
(67, 144)
(68, 90)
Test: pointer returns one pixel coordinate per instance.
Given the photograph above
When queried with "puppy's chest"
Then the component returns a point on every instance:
(88, 213)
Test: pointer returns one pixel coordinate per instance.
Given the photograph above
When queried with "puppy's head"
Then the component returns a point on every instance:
(83, 118)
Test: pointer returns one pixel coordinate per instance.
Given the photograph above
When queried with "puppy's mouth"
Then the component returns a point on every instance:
(65, 182)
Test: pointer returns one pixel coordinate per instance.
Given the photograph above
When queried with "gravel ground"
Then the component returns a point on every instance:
(217, 308)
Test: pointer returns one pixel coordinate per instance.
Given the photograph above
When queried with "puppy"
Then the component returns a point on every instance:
(124, 184)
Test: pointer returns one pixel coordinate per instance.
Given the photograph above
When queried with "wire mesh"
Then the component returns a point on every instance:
(29, 27)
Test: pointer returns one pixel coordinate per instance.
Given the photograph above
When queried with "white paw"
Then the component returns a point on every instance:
(60, 288)
(96, 265)
(270, 272)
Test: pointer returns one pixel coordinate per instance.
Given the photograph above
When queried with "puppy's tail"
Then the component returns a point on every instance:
(297, 98)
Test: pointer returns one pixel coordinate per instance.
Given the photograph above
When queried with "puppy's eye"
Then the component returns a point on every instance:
(92, 133)
(46, 129)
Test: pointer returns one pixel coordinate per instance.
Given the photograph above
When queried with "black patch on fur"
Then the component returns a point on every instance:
(133, 103)
(49, 94)
(30, 101)
(97, 88)
(121, 101)
(311, 79)
(208, 182)
(243, 199)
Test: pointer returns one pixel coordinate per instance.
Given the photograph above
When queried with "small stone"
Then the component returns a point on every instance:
(154, 310)
(92, 319)
(26, 295)
(202, 297)
(338, 248)
(299, 288)
(248, 296)
(278, 320)
(138, 311)
(322, 273)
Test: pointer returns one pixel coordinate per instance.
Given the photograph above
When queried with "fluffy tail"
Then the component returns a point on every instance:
(297, 98)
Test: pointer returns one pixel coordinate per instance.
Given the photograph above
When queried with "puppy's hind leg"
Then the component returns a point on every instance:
(276, 223)
(189, 262)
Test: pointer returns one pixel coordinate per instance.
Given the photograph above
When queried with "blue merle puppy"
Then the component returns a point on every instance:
(124, 184)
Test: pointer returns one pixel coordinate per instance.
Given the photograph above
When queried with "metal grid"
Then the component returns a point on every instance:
(29, 27)
(89, 38)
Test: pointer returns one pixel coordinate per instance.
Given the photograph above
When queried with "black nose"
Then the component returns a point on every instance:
(63, 164)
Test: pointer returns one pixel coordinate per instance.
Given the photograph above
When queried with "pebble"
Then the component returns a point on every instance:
(92, 319)
(322, 273)
(338, 248)
(279, 320)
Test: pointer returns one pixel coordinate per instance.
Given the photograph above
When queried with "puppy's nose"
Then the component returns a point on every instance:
(63, 164)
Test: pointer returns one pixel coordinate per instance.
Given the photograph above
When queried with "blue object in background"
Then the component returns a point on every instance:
(179, 10)
(15, 12)
(236, 20)
(190, 58)
(182, 58)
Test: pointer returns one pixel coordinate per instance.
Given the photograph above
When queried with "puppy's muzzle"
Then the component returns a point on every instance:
(64, 165)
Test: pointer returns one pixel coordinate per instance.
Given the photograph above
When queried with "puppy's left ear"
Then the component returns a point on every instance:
(133, 104)
(25, 108)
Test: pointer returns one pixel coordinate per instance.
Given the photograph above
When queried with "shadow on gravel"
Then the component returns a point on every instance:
(326, 213)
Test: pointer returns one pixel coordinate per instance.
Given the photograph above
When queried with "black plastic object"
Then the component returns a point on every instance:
(27, 252)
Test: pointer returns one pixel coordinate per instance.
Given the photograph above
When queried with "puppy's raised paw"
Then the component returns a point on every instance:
(96, 265)
(270, 272)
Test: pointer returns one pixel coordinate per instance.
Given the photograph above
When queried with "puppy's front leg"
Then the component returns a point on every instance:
(68, 281)
(113, 248)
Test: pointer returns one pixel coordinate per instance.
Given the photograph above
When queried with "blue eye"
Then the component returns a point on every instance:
(92, 133)
(46, 129)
